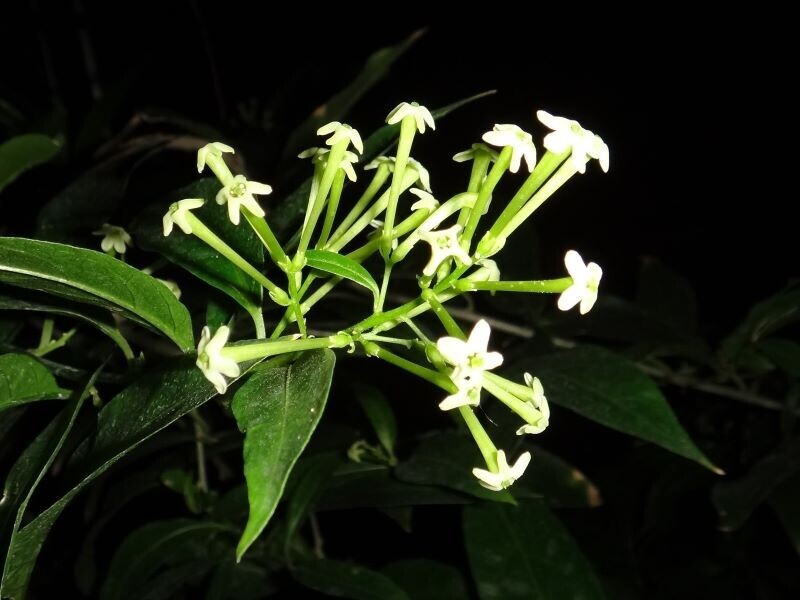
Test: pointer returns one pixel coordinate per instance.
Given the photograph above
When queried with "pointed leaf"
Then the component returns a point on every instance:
(24, 152)
(342, 266)
(606, 388)
(525, 552)
(95, 278)
(380, 415)
(24, 379)
(278, 410)
(346, 580)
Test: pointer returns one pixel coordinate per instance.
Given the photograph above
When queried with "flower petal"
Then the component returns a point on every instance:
(478, 340)
(570, 297)
(575, 266)
(453, 350)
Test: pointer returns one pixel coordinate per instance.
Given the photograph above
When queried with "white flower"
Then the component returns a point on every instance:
(240, 193)
(444, 244)
(426, 200)
(341, 132)
(489, 270)
(468, 394)
(505, 475)
(171, 286)
(317, 155)
(176, 215)
(346, 164)
(420, 114)
(568, 134)
(380, 160)
(210, 360)
(423, 176)
(114, 237)
(520, 142)
(215, 149)
(539, 401)
(585, 282)
(472, 152)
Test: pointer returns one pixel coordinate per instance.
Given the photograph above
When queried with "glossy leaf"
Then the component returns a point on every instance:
(606, 388)
(525, 552)
(24, 379)
(424, 579)
(342, 266)
(92, 277)
(346, 580)
(278, 410)
(380, 415)
(197, 257)
(24, 152)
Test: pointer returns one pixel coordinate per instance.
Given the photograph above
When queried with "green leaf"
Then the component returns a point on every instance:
(95, 278)
(557, 481)
(346, 580)
(736, 500)
(238, 581)
(24, 152)
(785, 501)
(375, 69)
(525, 552)
(380, 415)
(156, 545)
(447, 459)
(24, 379)
(342, 266)
(303, 495)
(197, 257)
(784, 354)
(278, 410)
(24, 478)
(606, 388)
(424, 579)
(96, 318)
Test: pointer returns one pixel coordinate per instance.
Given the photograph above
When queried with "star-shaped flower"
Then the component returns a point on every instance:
(444, 244)
(505, 475)
(569, 135)
(176, 215)
(214, 149)
(420, 114)
(210, 360)
(539, 401)
(468, 394)
(472, 152)
(240, 193)
(585, 283)
(423, 176)
(426, 200)
(114, 237)
(520, 142)
(341, 132)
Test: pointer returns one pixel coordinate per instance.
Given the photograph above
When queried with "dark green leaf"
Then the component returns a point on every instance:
(315, 475)
(784, 354)
(424, 579)
(198, 258)
(785, 501)
(525, 552)
(668, 296)
(606, 388)
(278, 410)
(380, 415)
(345, 580)
(447, 459)
(238, 581)
(557, 481)
(24, 152)
(24, 379)
(736, 500)
(95, 278)
(342, 266)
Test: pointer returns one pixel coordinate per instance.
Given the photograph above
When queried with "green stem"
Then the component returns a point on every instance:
(485, 194)
(526, 410)
(434, 377)
(487, 448)
(450, 326)
(480, 165)
(256, 350)
(264, 233)
(545, 286)
(293, 294)
(47, 333)
(381, 175)
(387, 271)
(333, 205)
(408, 128)
(219, 168)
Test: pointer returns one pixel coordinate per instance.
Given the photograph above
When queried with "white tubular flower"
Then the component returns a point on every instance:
(472, 152)
(380, 160)
(505, 475)
(114, 237)
(569, 135)
(520, 142)
(469, 360)
(210, 360)
(585, 283)
(539, 401)
(444, 244)
(215, 149)
(171, 286)
(426, 200)
(315, 154)
(420, 114)
(176, 215)
(489, 270)
(346, 164)
(468, 394)
(240, 193)
(341, 132)
(422, 173)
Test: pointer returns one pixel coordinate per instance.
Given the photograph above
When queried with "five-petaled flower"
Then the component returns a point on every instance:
(520, 142)
(114, 238)
(340, 132)
(505, 475)
(423, 176)
(176, 215)
(469, 359)
(539, 401)
(568, 134)
(585, 283)
(444, 244)
(420, 114)
(213, 149)
(210, 360)
(474, 151)
(240, 193)
(426, 200)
